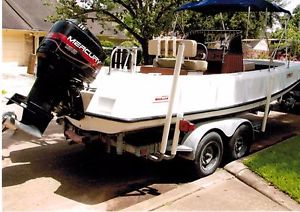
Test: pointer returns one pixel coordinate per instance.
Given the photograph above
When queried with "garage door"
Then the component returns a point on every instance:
(16, 48)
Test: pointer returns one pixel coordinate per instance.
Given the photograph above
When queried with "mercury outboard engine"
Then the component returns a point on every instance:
(67, 57)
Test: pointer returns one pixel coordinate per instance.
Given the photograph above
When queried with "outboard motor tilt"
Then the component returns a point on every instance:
(67, 57)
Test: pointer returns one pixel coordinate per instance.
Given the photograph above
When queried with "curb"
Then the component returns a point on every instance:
(180, 192)
(241, 172)
(235, 169)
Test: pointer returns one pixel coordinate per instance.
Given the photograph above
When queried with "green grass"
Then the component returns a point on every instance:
(279, 165)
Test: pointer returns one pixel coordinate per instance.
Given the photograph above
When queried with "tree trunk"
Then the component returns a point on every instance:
(148, 59)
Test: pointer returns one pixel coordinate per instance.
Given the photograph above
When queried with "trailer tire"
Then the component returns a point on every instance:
(287, 103)
(240, 142)
(5, 116)
(208, 154)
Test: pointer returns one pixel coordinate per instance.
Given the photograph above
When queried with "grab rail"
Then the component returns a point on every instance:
(119, 59)
(166, 131)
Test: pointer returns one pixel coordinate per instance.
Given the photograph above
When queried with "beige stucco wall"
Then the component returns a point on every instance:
(17, 45)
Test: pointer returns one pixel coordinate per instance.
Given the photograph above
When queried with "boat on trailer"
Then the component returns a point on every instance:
(223, 84)
(186, 103)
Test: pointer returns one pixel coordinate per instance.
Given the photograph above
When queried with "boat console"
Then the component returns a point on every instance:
(206, 52)
(165, 49)
(225, 54)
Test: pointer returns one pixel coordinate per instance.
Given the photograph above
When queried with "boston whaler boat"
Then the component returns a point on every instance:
(185, 104)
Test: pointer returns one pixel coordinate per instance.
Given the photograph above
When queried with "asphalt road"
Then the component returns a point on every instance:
(49, 174)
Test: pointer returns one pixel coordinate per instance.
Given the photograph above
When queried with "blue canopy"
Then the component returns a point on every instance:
(217, 6)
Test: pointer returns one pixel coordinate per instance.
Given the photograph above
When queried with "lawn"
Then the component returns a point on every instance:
(279, 165)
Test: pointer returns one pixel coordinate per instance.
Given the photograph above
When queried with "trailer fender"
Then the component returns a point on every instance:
(227, 126)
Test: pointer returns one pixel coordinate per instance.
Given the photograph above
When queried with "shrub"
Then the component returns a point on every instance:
(129, 44)
(106, 43)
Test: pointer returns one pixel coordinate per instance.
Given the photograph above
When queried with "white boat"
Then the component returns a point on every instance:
(221, 83)
(131, 100)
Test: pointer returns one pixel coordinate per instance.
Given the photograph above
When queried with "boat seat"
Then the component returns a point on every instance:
(166, 62)
(195, 65)
(157, 47)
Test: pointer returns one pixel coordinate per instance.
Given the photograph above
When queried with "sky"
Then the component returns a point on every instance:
(291, 4)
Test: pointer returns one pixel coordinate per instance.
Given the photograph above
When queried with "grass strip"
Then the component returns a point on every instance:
(279, 165)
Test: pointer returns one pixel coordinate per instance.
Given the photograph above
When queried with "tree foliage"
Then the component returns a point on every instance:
(144, 19)
(296, 17)
(234, 21)
(293, 36)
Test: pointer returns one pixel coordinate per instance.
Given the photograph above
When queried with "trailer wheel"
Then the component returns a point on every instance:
(208, 154)
(287, 103)
(5, 116)
(239, 144)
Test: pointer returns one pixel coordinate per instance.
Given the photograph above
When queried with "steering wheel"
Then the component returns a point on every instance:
(202, 51)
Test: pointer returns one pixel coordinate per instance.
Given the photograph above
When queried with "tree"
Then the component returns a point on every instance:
(234, 20)
(293, 36)
(142, 19)
(296, 17)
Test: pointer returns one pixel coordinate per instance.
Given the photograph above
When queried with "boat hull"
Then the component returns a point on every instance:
(126, 101)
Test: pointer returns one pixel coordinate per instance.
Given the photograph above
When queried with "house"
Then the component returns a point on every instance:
(24, 26)
(255, 48)
(258, 44)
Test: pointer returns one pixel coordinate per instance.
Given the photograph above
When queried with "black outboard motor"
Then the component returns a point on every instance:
(67, 57)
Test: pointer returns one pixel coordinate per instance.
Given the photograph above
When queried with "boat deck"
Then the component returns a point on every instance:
(247, 66)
